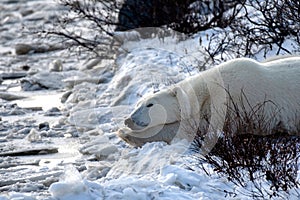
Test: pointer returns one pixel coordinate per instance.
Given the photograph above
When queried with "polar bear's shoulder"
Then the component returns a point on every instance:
(289, 62)
(282, 57)
(239, 65)
(242, 69)
(246, 64)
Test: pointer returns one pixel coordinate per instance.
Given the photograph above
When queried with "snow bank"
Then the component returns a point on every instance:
(101, 93)
(72, 186)
(164, 179)
(147, 66)
(156, 170)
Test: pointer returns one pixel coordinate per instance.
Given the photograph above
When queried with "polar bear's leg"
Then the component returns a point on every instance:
(218, 99)
(189, 110)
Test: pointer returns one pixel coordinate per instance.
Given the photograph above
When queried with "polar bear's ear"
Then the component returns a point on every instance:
(177, 91)
(174, 91)
(183, 101)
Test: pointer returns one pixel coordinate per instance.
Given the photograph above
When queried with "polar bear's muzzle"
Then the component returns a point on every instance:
(131, 124)
(135, 125)
(145, 117)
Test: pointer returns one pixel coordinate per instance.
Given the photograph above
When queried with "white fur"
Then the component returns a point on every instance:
(171, 111)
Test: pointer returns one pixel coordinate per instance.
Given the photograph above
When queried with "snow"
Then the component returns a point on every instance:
(156, 170)
(167, 180)
(101, 96)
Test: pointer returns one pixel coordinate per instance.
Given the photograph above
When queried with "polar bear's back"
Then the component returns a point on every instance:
(282, 72)
(279, 64)
(290, 63)
(285, 74)
(277, 81)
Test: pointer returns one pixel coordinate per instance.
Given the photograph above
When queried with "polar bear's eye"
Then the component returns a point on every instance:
(149, 105)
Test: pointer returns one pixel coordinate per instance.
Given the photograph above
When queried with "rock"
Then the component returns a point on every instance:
(22, 49)
(127, 36)
(33, 71)
(71, 82)
(53, 112)
(99, 146)
(24, 131)
(65, 96)
(10, 97)
(41, 81)
(27, 85)
(95, 132)
(17, 111)
(90, 63)
(28, 152)
(52, 133)
(12, 18)
(56, 66)
(105, 150)
(24, 13)
(34, 136)
(71, 132)
(44, 126)
(25, 67)
(13, 75)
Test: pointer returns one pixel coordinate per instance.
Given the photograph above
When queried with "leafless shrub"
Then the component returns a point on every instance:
(87, 25)
(187, 17)
(251, 152)
(258, 27)
(234, 28)
(91, 24)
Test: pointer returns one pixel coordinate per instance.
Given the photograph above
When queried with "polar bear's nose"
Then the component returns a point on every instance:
(129, 123)
(133, 125)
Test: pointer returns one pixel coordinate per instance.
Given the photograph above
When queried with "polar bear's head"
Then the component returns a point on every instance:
(159, 116)
(161, 108)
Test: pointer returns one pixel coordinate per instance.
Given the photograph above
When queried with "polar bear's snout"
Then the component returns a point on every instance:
(138, 120)
(135, 124)
(129, 123)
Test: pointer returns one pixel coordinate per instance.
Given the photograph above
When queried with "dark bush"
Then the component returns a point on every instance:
(269, 27)
(250, 152)
(235, 28)
(255, 159)
(185, 16)
(103, 17)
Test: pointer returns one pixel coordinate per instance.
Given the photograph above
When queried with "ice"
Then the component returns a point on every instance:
(16, 196)
(172, 183)
(98, 95)
(34, 136)
(100, 147)
(160, 177)
(148, 159)
(46, 102)
(74, 187)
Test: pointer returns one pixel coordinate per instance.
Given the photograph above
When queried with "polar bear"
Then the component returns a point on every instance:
(202, 101)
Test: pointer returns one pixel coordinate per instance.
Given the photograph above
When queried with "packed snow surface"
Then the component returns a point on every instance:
(77, 104)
